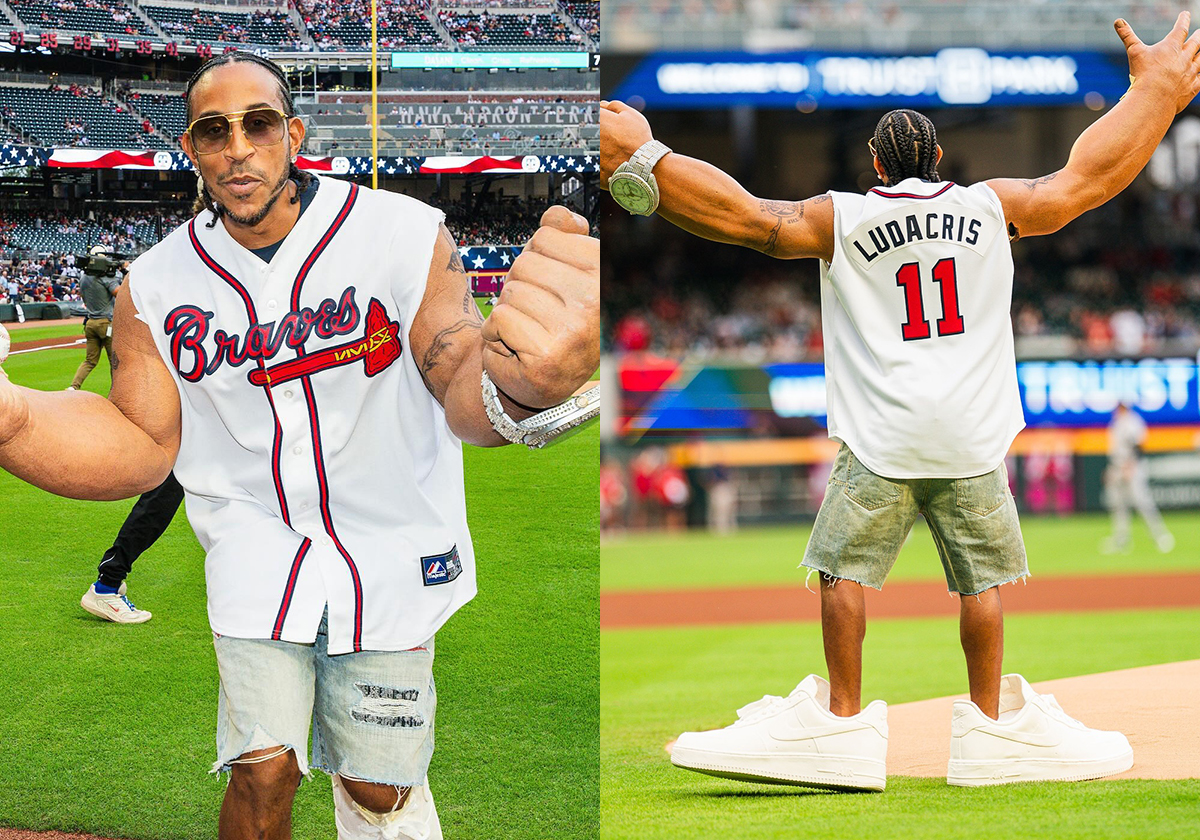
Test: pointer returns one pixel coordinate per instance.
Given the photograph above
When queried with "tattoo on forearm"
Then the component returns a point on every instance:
(455, 262)
(114, 362)
(782, 209)
(470, 309)
(442, 342)
(1045, 179)
(773, 238)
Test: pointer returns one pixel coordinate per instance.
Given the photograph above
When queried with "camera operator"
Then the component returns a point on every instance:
(98, 288)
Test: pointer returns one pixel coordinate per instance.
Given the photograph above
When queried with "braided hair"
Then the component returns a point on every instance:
(204, 199)
(906, 144)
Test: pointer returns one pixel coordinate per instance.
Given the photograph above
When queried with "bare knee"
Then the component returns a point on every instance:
(378, 798)
(269, 781)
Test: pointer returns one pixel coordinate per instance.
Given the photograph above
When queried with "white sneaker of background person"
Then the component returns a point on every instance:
(113, 607)
(417, 819)
(1034, 740)
(794, 740)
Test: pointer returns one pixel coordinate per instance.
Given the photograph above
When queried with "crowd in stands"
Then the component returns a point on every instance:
(347, 24)
(508, 221)
(46, 279)
(1123, 279)
(503, 30)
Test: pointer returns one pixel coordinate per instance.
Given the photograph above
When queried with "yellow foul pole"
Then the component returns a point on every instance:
(374, 97)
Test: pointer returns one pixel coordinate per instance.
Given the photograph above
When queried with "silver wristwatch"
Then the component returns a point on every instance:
(632, 186)
(545, 427)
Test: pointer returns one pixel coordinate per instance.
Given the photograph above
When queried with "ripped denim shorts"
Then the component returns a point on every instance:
(371, 712)
(865, 519)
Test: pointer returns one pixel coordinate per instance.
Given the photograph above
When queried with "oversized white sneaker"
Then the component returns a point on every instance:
(1034, 740)
(116, 607)
(794, 740)
(417, 820)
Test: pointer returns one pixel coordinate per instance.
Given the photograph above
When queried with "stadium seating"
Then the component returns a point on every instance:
(166, 111)
(347, 25)
(104, 16)
(215, 25)
(637, 25)
(586, 14)
(486, 31)
(78, 116)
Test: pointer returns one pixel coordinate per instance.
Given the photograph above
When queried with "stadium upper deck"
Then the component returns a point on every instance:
(874, 25)
(313, 25)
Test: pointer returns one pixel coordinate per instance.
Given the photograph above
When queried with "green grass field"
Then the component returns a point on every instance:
(110, 729)
(656, 683)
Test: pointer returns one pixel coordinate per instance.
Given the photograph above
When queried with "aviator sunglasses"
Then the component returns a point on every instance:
(262, 127)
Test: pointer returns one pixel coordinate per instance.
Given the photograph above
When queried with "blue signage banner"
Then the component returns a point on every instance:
(809, 80)
(1054, 394)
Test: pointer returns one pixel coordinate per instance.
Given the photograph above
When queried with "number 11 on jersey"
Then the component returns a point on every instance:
(909, 279)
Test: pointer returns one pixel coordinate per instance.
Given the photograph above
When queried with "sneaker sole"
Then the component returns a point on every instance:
(108, 615)
(979, 773)
(824, 772)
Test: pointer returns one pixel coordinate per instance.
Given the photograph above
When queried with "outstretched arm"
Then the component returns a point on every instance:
(539, 344)
(80, 445)
(703, 200)
(1114, 149)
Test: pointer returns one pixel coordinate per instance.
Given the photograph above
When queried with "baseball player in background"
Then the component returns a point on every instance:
(306, 354)
(916, 288)
(1128, 485)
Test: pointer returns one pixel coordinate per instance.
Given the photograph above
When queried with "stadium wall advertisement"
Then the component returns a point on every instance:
(808, 80)
(1054, 394)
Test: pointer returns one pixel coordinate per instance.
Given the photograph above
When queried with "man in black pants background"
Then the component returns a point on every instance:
(151, 515)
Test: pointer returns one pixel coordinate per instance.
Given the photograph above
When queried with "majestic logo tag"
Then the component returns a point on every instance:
(187, 327)
(441, 568)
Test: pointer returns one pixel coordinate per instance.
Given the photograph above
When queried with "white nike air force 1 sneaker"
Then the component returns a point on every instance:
(115, 607)
(794, 740)
(1034, 740)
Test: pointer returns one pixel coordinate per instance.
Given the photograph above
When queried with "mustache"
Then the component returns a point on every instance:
(243, 174)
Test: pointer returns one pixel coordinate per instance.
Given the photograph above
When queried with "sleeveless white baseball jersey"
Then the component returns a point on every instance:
(920, 370)
(318, 469)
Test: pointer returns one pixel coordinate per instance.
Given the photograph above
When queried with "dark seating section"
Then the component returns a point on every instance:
(587, 14)
(106, 16)
(268, 28)
(74, 116)
(347, 25)
(509, 31)
(166, 111)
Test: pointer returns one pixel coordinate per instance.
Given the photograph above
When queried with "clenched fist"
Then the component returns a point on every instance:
(542, 341)
(623, 130)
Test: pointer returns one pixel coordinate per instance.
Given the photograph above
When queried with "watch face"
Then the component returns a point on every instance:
(630, 193)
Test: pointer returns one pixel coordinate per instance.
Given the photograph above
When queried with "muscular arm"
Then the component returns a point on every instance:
(447, 345)
(707, 202)
(80, 445)
(1114, 149)
(540, 343)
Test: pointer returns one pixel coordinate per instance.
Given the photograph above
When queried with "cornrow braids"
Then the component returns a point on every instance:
(905, 142)
(204, 199)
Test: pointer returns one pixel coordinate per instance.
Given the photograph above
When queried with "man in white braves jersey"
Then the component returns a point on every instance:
(306, 354)
(916, 282)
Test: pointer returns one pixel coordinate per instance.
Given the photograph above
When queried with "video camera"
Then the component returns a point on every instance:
(100, 263)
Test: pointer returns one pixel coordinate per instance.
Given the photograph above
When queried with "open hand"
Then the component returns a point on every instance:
(1173, 61)
(542, 341)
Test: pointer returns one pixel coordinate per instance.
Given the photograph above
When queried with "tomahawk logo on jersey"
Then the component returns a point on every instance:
(340, 475)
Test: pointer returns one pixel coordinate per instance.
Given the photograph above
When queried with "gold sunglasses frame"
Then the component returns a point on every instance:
(238, 116)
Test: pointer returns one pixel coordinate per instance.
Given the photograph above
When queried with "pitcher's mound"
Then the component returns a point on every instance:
(1154, 706)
